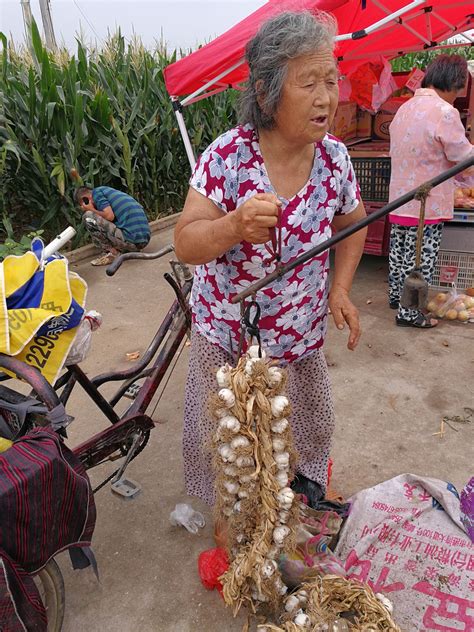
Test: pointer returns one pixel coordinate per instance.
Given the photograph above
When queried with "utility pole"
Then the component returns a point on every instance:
(27, 20)
(48, 24)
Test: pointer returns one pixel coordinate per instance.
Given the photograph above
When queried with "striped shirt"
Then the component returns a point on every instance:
(129, 214)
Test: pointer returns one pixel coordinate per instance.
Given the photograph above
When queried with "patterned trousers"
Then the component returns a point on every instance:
(106, 235)
(312, 421)
(402, 259)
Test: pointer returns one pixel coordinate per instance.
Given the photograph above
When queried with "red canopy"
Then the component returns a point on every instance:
(423, 26)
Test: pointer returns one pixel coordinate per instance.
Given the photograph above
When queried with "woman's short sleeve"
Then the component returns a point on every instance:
(349, 196)
(215, 175)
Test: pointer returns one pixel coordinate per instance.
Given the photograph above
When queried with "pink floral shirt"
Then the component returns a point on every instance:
(294, 309)
(426, 138)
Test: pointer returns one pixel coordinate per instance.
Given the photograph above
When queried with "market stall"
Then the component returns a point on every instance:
(372, 32)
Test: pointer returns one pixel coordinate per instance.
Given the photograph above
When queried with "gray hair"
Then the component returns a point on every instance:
(446, 73)
(284, 37)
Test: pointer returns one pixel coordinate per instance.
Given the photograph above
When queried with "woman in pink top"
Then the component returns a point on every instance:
(280, 158)
(426, 138)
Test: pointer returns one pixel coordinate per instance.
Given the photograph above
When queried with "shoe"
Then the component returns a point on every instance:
(420, 322)
(103, 260)
(394, 304)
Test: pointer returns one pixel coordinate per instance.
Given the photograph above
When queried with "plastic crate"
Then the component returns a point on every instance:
(453, 267)
(378, 233)
(373, 176)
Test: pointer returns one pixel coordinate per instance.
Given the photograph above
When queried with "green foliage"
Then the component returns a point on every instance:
(10, 246)
(423, 58)
(95, 118)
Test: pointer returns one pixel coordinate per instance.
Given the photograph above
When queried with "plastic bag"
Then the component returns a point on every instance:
(372, 84)
(315, 535)
(452, 305)
(212, 564)
(82, 342)
(467, 508)
(185, 516)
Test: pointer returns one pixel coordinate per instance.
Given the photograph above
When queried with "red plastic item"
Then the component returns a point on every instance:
(330, 464)
(378, 233)
(212, 564)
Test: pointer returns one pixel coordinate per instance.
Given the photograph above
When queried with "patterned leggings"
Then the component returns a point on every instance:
(106, 235)
(402, 259)
(312, 421)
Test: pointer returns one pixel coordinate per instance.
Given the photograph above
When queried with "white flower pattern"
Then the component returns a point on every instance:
(294, 309)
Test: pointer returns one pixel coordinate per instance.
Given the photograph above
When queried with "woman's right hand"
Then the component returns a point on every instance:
(255, 218)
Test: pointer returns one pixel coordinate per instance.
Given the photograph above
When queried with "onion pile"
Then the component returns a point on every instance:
(254, 460)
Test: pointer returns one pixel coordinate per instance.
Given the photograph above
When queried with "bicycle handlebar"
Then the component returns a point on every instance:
(115, 265)
(33, 377)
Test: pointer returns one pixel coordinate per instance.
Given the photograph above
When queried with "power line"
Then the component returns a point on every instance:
(87, 20)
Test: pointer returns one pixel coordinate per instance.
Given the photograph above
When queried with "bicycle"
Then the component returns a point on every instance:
(128, 433)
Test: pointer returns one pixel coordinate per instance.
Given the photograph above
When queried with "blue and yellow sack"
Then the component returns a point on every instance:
(41, 306)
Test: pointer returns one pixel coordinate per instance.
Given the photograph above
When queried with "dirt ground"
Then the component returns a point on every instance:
(390, 396)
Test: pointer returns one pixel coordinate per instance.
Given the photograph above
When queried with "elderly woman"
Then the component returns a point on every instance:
(426, 138)
(279, 162)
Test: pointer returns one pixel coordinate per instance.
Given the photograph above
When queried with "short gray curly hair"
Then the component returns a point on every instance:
(284, 37)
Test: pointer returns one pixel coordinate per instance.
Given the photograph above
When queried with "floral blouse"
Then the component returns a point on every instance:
(293, 309)
(426, 138)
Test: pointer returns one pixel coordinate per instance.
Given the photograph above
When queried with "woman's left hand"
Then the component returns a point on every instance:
(344, 311)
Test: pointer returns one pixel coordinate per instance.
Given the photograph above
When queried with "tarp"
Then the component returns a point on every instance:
(426, 25)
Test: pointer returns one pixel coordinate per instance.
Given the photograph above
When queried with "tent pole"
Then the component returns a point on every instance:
(377, 25)
(178, 110)
(211, 82)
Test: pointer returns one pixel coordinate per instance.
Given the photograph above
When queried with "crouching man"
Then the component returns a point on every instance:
(115, 221)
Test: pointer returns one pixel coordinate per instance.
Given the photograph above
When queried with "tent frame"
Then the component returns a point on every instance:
(390, 21)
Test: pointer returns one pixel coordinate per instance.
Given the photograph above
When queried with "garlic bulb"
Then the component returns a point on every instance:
(227, 397)
(231, 487)
(281, 587)
(239, 442)
(258, 596)
(238, 506)
(223, 376)
(280, 426)
(268, 568)
(243, 493)
(282, 459)
(249, 366)
(280, 533)
(275, 375)
(279, 404)
(245, 479)
(227, 511)
(226, 453)
(240, 538)
(285, 498)
(254, 352)
(229, 423)
(283, 516)
(245, 461)
(292, 603)
(302, 620)
(303, 597)
(231, 470)
(278, 444)
(385, 602)
(281, 479)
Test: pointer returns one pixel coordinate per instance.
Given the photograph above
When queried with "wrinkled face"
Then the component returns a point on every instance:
(309, 97)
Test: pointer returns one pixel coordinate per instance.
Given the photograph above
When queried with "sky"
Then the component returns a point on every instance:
(183, 23)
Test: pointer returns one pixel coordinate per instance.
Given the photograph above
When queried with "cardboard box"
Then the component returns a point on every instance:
(381, 125)
(364, 123)
(344, 125)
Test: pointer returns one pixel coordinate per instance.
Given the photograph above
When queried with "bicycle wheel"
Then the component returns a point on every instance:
(50, 584)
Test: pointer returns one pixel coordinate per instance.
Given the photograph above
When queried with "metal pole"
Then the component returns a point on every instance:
(48, 25)
(350, 230)
(184, 132)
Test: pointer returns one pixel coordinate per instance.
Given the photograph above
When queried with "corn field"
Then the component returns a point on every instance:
(98, 118)
(94, 118)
